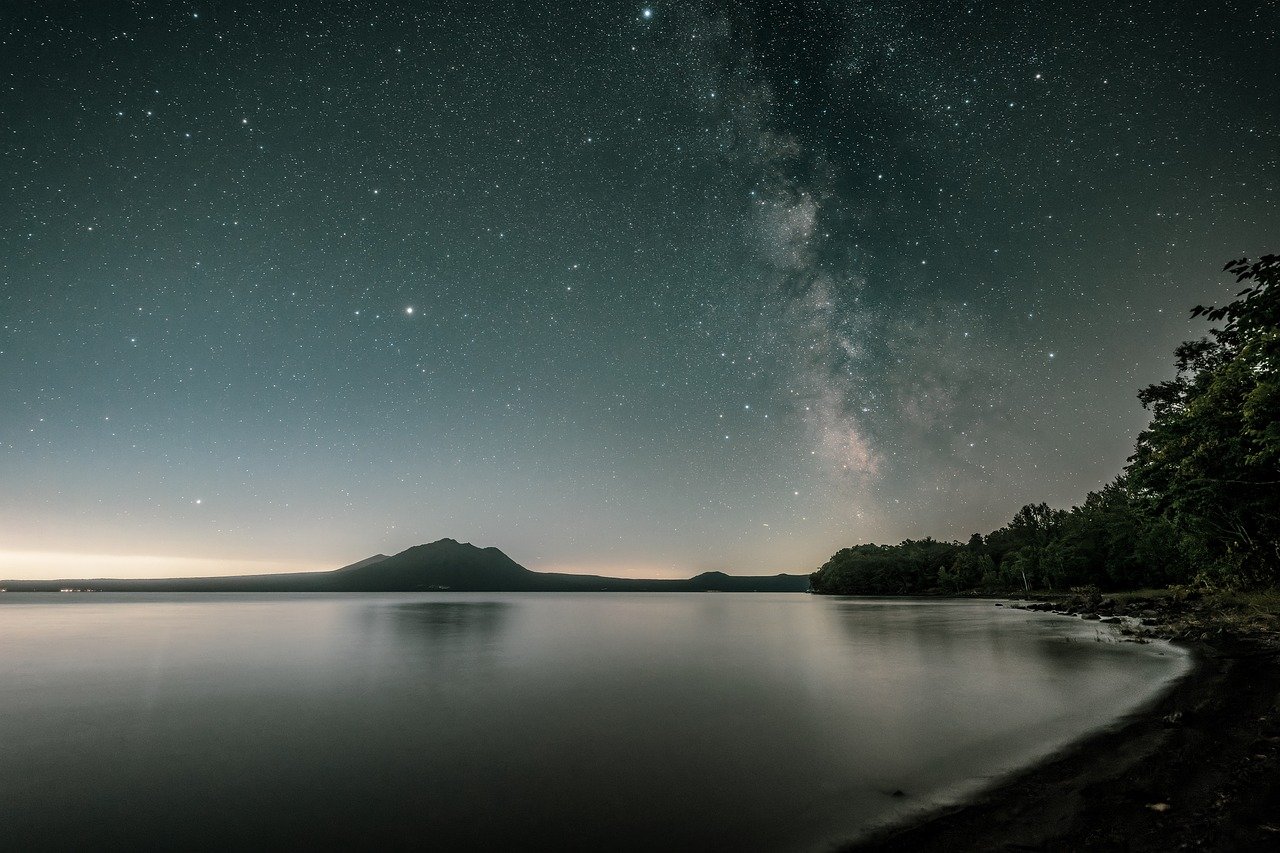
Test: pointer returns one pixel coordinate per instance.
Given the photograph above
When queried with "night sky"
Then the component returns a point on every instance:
(629, 289)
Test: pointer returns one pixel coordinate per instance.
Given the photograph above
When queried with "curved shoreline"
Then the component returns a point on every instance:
(1196, 767)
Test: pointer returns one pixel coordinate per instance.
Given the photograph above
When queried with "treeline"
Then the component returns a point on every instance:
(1198, 503)
(1113, 540)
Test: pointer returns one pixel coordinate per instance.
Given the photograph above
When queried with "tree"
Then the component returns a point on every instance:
(1018, 548)
(966, 570)
(1210, 460)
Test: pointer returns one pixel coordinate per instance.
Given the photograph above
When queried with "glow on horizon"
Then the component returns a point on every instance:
(637, 571)
(56, 565)
(60, 565)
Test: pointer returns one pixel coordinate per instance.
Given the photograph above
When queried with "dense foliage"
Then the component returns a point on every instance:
(1199, 501)
(1210, 460)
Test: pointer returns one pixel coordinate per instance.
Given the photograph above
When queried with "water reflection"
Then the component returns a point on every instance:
(455, 623)
(743, 722)
(449, 648)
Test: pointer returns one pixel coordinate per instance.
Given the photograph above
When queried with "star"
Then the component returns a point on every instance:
(818, 278)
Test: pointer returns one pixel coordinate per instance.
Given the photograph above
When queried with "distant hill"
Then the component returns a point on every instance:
(443, 565)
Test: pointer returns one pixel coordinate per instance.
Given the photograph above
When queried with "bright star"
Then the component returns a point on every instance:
(646, 14)
(408, 310)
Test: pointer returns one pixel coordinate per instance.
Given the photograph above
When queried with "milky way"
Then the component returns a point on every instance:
(644, 289)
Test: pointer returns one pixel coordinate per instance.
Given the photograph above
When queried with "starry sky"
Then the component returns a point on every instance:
(628, 289)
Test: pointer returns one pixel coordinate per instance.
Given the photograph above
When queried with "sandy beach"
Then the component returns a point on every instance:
(1198, 768)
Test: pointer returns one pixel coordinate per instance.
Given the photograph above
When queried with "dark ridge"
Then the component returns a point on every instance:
(442, 565)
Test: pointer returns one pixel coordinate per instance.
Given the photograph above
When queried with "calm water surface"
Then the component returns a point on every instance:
(606, 721)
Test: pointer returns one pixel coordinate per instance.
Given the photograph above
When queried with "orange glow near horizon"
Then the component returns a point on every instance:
(58, 565)
(52, 565)
(649, 571)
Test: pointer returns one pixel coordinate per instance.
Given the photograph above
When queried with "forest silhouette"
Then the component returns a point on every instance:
(1198, 503)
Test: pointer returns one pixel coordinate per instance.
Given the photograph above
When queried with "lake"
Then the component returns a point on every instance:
(483, 721)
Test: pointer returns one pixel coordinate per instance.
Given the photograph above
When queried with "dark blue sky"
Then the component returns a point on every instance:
(633, 289)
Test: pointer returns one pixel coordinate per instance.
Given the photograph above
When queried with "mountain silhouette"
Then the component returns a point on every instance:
(442, 565)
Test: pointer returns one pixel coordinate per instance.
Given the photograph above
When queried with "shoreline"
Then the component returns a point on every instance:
(1196, 767)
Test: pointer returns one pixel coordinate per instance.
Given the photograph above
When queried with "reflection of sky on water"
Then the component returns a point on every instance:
(701, 720)
(447, 621)
(459, 626)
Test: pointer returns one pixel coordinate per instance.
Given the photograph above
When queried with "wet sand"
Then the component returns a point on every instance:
(1198, 768)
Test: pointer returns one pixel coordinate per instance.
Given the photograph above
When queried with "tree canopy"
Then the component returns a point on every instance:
(1198, 502)
(1210, 459)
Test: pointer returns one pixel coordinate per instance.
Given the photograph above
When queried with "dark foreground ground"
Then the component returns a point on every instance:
(1198, 769)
